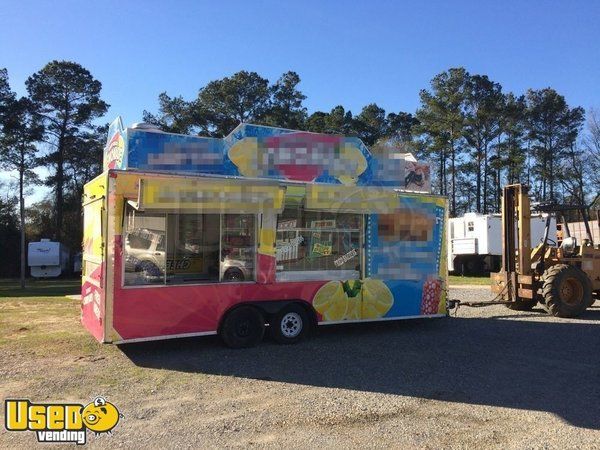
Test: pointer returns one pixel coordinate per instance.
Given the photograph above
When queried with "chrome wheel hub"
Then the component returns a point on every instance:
(291, 325)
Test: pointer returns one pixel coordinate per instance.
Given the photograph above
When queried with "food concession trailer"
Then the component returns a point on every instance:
(266, 229)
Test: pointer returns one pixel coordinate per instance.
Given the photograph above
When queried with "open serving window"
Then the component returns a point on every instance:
(317, 244)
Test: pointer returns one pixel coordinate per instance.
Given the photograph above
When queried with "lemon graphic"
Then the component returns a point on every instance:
(353, 300)
(349, 152)
(331, 301)
(354, 308)
(377, 299)
(244, 154)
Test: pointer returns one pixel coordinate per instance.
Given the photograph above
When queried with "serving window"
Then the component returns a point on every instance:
(318, 245)
(144, 248)
(192, 248)
(182, 248)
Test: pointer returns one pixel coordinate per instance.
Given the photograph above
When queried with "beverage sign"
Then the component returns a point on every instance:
(322, 224)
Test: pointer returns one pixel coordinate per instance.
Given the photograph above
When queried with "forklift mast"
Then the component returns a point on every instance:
(516, 238)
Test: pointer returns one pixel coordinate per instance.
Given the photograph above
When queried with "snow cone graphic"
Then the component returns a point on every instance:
(432, 293)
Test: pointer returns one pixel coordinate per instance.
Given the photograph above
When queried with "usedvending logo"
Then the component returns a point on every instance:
(61, 422)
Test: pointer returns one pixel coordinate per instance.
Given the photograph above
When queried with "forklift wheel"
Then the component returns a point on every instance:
(567, 291)
(524, 305)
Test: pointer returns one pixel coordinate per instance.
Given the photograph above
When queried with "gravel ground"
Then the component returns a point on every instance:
(487, 377)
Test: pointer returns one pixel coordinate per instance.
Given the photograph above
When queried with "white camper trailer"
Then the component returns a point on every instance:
(47, 259)
(578, 231)
(475, 241)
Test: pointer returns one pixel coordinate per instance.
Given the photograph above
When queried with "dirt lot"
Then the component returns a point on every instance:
(489, 377)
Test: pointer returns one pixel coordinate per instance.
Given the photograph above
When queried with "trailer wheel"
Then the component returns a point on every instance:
(243, 327)
(566, 291)
(289, 325)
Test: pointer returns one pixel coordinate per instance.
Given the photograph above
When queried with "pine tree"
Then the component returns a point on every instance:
(66, 98)
(442, 118)
(483, 107)
(286, 109)
(175, 115)
(551, 128)
(21, 129)
(225, 103)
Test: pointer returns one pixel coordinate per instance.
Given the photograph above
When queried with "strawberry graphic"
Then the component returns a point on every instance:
(432, 291)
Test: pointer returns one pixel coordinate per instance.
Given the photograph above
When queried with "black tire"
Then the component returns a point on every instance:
(290, 324)
(496, 263)
(243, 327)
(474, 266)
(233, 275)
(566, 291)
(523, 305)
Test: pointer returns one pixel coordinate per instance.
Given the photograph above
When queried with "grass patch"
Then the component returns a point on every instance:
(29, 321)
(47, 353)
(456, 279)
(40, 317)
(40, 288)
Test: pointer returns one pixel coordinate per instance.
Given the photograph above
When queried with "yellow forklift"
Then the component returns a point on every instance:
(564, 279)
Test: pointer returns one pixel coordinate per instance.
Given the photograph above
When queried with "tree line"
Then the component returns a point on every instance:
(53, 126)
(476, 136)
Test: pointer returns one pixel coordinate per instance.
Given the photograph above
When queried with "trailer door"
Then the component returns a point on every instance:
(92, 260)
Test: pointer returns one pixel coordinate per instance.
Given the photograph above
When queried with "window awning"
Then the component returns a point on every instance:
(210, 195)
(352, 199)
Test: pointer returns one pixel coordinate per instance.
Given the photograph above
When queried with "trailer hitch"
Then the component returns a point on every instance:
(454, 303)
(458, 303)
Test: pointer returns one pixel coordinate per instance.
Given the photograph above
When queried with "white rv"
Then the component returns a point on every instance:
(475, 241)
(47, 259)
(578, 231)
